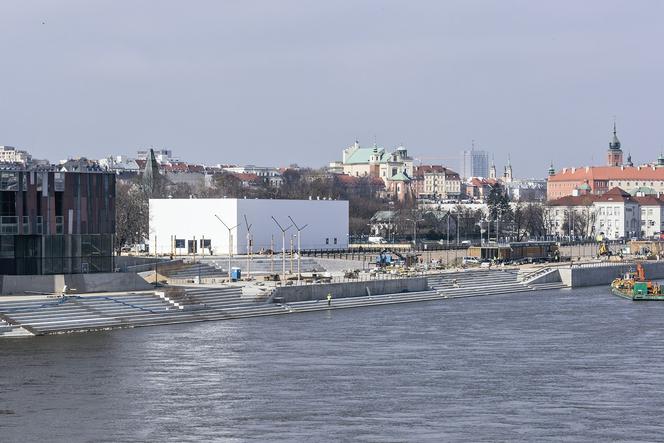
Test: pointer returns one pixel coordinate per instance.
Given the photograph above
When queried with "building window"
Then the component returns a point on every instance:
(59, 224)
(335, 240)
(9, 181)
(59, 181)
(327, 241)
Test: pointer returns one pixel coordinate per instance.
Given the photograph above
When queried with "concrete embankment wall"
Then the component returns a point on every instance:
(76, 283)
(350, 289)
(337, 265)
(141, 264)
(605, 273)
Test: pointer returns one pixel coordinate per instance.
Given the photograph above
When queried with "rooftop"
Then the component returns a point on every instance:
(608, 173)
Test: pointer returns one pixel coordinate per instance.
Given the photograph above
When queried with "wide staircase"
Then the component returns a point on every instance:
(217, 267)
(77, 313)
(264, 265)
(74, 313)
(193, 271)
(473, 283)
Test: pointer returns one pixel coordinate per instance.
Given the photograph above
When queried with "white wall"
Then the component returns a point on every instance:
(189, 218)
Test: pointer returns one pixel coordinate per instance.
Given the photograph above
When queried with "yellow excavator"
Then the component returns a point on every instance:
(603, 250)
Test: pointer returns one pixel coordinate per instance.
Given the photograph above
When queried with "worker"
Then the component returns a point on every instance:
(64, 291)
(329, 299)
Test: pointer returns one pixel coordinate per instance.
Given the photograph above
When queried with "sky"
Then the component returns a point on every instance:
(277, 82)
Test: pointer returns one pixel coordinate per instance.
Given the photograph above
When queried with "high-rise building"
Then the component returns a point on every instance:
(474, 163)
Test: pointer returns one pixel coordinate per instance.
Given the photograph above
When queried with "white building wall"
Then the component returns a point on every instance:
(652, 220)
(189, 218)
(617, 219)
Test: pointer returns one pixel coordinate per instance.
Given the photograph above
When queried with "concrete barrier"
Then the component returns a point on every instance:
(600, 274)
(76, 283)
(350, 289)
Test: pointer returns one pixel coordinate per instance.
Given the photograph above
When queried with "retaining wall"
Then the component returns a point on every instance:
(605, 273)
(350, 289)
(76, 283)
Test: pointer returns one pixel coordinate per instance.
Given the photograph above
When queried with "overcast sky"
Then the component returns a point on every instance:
(277, 82)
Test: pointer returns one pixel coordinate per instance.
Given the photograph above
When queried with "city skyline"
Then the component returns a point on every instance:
(284, 83)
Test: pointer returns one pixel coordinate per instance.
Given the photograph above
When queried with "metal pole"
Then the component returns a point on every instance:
(291, 255)
(457, 226)
(229, 255)
(156, 282)
(448, 229)
(283, 256)
(272, 254)
(202, 254)
(299, 254)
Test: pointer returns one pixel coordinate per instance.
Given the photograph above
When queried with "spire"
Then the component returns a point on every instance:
(552, 170)
(614, 143)
(150, 173)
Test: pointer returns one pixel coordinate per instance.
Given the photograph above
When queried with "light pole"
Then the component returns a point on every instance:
(299, 229)
(248, 226)
(230, 246)
(283, 248)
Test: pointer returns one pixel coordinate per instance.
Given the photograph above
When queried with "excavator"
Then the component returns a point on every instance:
(603, 250)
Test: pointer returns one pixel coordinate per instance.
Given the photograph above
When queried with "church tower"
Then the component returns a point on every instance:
(614, 155)
(507, 176)
(492, 170)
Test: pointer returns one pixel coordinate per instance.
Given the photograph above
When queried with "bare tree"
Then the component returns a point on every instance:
(131, 214)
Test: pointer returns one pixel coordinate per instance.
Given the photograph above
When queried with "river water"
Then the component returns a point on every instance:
(555, 365)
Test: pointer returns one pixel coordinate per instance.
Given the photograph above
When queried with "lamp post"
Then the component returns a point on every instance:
(230, 250)
(299, 229)
(248, 226)
(283, 248)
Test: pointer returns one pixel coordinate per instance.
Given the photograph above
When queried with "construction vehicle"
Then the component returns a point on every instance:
(634, 286)
(603, 250)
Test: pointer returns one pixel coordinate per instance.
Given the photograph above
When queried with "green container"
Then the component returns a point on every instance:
(640, 288)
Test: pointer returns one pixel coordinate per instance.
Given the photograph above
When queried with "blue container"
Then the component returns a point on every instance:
(236, 274)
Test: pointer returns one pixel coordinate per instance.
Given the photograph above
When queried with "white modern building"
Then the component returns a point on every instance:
(187, 226)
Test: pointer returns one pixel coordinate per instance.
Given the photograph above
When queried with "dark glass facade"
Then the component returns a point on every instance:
(56, 222)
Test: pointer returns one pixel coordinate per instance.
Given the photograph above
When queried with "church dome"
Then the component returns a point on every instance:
(614, 143)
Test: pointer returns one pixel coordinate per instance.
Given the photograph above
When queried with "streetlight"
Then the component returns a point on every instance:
(299, 229)
(230, 250)
(248, 226)
(283, 248)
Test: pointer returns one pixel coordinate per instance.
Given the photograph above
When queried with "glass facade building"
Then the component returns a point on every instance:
(474, 164)
(56, 222)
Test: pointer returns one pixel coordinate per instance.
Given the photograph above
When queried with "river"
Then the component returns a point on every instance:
(548, 366)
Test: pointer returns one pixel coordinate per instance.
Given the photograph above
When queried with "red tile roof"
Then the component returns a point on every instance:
(574, 200)
(608, 173)
(649, 200)
(615, 194)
